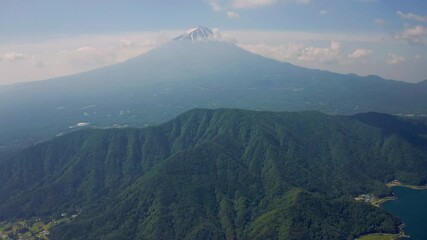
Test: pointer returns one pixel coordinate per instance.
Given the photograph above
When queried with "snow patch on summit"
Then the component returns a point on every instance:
(196, 35)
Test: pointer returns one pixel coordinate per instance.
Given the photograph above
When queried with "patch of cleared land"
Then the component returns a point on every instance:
(374, 200)
(397, 183)
(32, 229)
(380, 236)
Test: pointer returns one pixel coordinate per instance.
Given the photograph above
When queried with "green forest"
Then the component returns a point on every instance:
(219, 174)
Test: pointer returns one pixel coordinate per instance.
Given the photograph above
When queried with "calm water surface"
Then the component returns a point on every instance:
(411, 207)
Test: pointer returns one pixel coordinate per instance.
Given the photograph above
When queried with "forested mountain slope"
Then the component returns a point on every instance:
(219, 174)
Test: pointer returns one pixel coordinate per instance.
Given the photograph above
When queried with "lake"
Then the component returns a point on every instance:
(411, 208)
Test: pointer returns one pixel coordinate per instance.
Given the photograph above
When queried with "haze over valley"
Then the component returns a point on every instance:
(193, 70)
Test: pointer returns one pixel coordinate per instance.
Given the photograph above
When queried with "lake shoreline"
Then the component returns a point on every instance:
(377, 202)
(397, 183)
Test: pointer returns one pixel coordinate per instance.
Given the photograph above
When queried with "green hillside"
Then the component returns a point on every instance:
(219, 174)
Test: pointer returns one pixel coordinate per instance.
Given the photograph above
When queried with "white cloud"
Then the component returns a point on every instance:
(126, 43)
(87, 57)
(220, 36)
(379, 21)
(126, 48)
(86, 50)
(297, 52)
(262, 3)
(13, 56)
(216, 7)
(29, 61)
(21, 58)
(232, 15)
(414, 35)
(360, 53)
(323, 12)
(308, 49)
(284, 52)
(330, 54)
(394, 59)
(333, 57)
(281, 37)
(418, 56)
(251, 3)
(412, 16)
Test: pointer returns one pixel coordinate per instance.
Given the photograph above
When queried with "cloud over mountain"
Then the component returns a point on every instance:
(394, 59)
(360, 53)
(12, 56)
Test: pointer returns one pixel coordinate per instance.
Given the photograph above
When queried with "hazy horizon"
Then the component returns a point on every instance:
(367, 37)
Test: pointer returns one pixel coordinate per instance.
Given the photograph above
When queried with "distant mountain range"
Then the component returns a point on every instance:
(219, 174)
(423, 83)
(193, 70)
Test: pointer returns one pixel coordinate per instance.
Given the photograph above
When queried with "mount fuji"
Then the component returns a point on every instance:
(194, 70)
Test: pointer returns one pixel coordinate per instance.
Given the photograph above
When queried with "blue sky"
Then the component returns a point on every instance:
(386, 37)
(96, 16)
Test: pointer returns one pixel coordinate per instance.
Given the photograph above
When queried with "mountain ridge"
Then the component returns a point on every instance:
(423, 83)
(217, 174)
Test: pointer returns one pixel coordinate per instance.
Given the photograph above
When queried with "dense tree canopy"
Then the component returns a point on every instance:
(219, 174)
